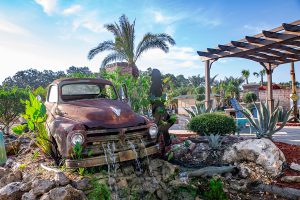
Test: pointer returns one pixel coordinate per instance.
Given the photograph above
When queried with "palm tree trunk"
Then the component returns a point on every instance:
(247, 81)
(261, 80)
(135, 70)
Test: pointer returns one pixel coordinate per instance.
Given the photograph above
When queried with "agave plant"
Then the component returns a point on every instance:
(198, 109)
(214, 141)
(266, 122)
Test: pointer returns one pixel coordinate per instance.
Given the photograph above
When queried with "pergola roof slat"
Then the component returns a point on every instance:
(277, 46)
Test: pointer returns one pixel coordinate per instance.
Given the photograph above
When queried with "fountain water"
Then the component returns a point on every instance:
(110, 159)
(148, 161)
(136, 156)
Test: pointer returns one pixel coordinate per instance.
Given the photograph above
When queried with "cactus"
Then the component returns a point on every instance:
(266, 122)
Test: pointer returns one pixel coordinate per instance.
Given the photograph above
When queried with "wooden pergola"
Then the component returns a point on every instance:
(270, 49)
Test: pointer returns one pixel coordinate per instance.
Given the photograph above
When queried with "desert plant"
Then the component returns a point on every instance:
(216, 191)
(212, 123)
(123, 47)
(11, 105)
(198, 109)
(3, 156)
(249, 97)
(35, 115)
(99, 191)
(77, 151)
(214, 141)
(266, 122)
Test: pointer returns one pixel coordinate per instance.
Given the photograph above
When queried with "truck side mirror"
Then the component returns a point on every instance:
(123, 93)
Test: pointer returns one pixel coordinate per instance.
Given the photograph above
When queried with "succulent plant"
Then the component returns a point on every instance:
(214, 141)
(265, 123)
(198, 109)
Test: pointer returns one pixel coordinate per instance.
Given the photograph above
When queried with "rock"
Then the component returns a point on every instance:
(27, 177)
(262, 151)
(122, 183)
(295, 166)
(161, 194)
(155, 164)
(168, 170)
(26, 187)
(29, 196)
(13, 147)
(42, 186)
(11, 191)
(64, 193)
(11, 177)
(61, 179)
(291, 179)
(128, 170)
(9, 163)
(201, 152)
(3, 171)
(239, 185)
(81, 184)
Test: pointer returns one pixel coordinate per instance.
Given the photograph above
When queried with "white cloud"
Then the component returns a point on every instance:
(159, 17)
(180, 60)
(72, 9)
(90, 22)
(256, 29)
(48, 6)
(8, 27)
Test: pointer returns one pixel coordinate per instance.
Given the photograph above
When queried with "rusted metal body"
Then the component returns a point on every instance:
(99, 121)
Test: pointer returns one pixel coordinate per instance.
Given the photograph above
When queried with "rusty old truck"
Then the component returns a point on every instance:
(91, 113)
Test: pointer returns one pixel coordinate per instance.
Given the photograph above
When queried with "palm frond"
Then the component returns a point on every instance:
(112, 58)
(151, 41)
(104, 46)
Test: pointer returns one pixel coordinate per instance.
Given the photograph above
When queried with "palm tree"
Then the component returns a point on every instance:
(246, 74)
(123, 47)
(260, 74)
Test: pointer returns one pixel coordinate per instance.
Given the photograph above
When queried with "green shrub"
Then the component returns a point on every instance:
(11, 105)
(212, 123)
(249, 97)
(216, 191)
(100, 191)
(35, 115)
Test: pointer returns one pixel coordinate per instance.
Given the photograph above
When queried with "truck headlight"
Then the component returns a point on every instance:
(77, 138)
(153, 130)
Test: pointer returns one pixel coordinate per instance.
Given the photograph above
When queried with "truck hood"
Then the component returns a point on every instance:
(101, 113)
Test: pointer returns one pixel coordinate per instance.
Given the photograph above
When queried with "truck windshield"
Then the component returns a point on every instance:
(78, 91)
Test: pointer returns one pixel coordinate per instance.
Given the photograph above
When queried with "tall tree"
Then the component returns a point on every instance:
(123, 48)
(260, 74)
(246, 74)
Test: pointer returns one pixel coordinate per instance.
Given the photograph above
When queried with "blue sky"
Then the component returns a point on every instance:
(56, 34)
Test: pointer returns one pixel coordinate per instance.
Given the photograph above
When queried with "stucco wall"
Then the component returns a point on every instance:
(283, 95)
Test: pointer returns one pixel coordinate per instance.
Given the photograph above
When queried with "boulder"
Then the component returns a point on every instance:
(29, 196)
(61, 179)
(262, 151)
(81, 184)
(11, 177)
(26, 187)
(64, 193)
(11, 191)
(41, 186)
(168, 170)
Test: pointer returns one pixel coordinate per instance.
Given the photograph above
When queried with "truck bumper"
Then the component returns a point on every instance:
(120, 157)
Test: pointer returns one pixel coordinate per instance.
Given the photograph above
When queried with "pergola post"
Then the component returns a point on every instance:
(207, 83)
(270, 99)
